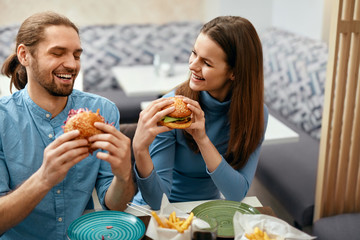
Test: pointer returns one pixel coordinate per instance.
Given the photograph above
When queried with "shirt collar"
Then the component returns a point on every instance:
(38, 111)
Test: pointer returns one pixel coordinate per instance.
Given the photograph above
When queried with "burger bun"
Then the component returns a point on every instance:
(181, 111)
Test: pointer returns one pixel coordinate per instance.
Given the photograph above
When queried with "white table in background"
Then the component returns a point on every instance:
(141, 80)
(278, 132)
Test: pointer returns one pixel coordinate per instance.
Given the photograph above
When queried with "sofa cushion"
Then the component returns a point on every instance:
(295, 74)
(339, 227)
(129, 129)
(289, 172)
(7, 41)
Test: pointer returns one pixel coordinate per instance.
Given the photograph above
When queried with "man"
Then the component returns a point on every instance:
(47, 176)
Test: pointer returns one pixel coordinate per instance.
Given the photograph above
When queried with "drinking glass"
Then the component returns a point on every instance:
(204, 227)
(164, 64)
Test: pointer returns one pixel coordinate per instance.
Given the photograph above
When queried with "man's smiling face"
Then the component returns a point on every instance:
(56, 61)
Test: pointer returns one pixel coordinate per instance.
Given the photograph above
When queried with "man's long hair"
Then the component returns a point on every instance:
(31, 33)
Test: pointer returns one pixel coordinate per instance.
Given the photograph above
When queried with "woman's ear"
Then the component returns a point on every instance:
(23, 55)
(232, 77)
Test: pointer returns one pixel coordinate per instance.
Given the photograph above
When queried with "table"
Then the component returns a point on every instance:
(141, 80)
(278, 132)
(188, 206)
(5, 86)
(262, 210)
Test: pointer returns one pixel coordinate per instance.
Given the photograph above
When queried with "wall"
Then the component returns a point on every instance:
(105, 11)
(306, 17)
(258, 12)
(300, 16)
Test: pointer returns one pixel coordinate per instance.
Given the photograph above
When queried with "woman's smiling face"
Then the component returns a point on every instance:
(209, 69)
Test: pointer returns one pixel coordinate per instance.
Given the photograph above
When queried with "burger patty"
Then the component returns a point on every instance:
(188, 119)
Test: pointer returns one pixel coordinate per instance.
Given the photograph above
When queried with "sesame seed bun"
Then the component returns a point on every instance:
(83, 120)
(181, 111)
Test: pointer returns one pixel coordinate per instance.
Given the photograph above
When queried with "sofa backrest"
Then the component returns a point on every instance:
(295, 74)
(107, 46)
(133, 44)
(7, 41)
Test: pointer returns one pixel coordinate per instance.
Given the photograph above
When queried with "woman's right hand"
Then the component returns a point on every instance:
(146, 131)
(147, 127)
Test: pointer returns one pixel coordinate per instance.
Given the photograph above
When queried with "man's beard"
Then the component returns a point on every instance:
(50, 86)
(54, 90)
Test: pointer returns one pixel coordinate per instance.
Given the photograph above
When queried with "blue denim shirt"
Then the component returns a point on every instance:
(25, 131)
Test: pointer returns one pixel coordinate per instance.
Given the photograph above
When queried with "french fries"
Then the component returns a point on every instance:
(258, 235)
(174, 222)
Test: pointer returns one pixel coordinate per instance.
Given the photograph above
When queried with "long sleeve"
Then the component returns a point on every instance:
(234, 184)
(162, 152)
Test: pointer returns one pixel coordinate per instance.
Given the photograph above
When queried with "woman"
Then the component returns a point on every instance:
(219, 152)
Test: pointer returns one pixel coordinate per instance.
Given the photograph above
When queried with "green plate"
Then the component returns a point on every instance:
(223, 211)
(110, 224)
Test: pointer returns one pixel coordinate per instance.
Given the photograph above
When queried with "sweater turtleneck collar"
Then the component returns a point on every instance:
(212, 105)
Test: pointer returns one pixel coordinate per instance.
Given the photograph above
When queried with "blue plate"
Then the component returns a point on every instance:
(110, 224)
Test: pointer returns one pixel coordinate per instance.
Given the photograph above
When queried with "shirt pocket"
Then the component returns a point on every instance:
(83, 175)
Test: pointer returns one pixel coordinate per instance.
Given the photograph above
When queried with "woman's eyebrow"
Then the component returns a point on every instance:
(207, 60)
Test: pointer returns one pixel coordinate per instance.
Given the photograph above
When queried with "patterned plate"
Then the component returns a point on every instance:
(110, 224)
(223, 211)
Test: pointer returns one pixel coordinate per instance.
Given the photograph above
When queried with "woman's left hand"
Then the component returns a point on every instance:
(197, 128)
(118, 149)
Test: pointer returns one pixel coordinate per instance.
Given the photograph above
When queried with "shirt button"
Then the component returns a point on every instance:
(58, 191)
(50, 135)
(60, 219)
(47, 115)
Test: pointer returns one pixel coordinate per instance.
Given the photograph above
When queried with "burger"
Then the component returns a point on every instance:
(83, 120)
(180, 118)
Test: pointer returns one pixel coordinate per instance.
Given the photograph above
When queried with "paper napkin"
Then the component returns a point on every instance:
(155, 232)
(274, 227)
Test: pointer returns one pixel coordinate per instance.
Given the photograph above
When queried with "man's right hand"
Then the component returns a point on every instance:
(61, 155)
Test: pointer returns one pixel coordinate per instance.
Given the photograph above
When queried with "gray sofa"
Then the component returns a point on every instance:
(294, 69)
(339, 227)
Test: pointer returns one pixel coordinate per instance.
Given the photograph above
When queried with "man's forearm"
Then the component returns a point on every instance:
(120, 192)
(18, 204)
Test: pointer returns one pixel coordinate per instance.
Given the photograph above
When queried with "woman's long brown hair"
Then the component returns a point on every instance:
(30, 33)
(241, 44)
